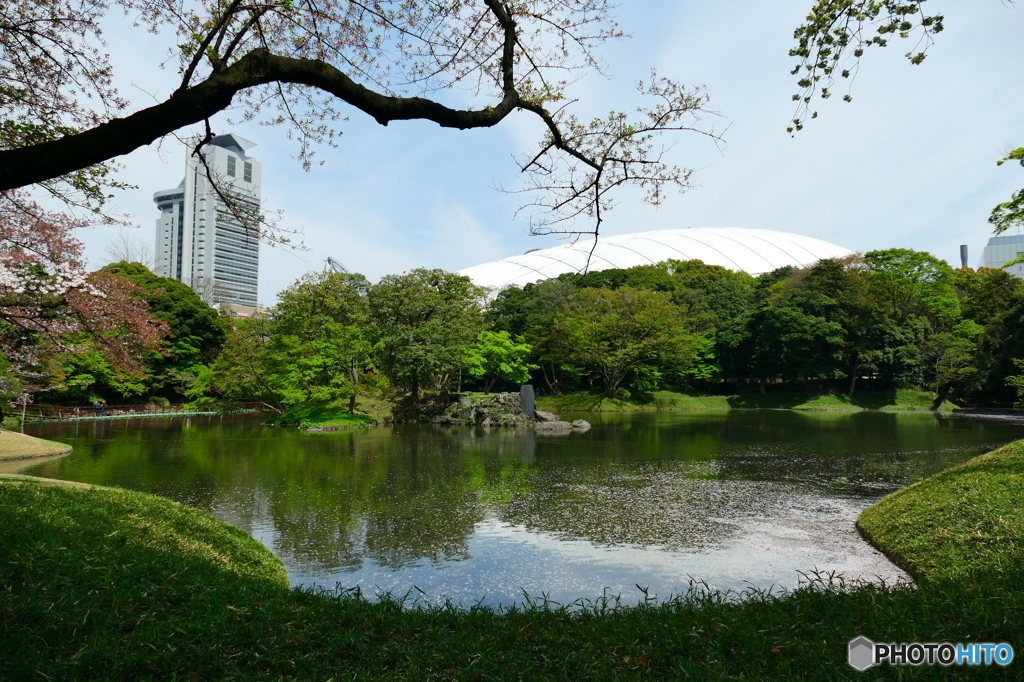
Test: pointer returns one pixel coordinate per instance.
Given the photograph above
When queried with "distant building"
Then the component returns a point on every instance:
(1002, 250)
(236, 310)
(199, 241)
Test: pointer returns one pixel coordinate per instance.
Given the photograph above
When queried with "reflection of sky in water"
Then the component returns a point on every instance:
(507, 560)
(738, 499)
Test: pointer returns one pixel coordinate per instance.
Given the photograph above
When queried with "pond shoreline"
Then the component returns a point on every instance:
(242, 609)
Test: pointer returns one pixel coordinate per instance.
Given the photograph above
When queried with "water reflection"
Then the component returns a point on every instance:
(739, 497)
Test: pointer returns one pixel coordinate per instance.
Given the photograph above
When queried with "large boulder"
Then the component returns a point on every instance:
(553, 427)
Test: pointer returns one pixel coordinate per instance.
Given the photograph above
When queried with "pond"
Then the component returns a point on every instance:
(647, 500)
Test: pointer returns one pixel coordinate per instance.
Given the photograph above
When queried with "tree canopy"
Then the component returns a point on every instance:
(307, 64)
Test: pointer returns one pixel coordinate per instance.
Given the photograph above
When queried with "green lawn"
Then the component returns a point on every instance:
(15, 445)
(966, 523)
(113, 585)
(329, 416)
(894, 399)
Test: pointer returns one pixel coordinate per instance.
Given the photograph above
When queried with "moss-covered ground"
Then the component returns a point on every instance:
(112, 585)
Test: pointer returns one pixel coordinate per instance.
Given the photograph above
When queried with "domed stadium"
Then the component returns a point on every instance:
(736, 248)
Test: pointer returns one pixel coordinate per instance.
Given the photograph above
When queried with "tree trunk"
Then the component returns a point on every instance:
(551, 381)
(853, 379)
(941, 397)
(354, 375)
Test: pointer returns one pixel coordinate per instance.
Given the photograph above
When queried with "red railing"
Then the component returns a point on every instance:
(64, 412)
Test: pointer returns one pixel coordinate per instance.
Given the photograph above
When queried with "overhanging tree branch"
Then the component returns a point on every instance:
(47, 160)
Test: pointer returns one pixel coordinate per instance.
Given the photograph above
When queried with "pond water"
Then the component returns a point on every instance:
(734, 498)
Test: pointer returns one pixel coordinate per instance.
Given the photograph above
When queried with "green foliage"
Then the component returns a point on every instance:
(311, 349)
(86, 376)
(914, 283)
(196, 330)
(615, 332)
(318, 342)
(1010, 213)
(244, 370)
(957, 524)
(497, 355)
(195, 334)
(423, 322)
(836, 34)
(327, 415)
(531, 312)
(1017, 381)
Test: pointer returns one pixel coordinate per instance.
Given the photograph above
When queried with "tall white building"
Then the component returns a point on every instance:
(200, 241)
(1002, 250)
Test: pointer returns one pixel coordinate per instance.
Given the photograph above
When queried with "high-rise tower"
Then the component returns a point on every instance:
(199, 240)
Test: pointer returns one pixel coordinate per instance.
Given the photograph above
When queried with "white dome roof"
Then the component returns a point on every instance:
(735, 248)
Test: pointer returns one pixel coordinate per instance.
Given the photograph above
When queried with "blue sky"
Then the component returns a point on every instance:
(909, 163)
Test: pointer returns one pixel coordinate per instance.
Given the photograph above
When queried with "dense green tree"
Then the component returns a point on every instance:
(988, 298)
(710, 294)
(653, 277)
(497, 355)
(423, 322)
(530, 313)
(192, 334)
(908, 282)
(616, 332)
(1017, 381)
(319, 343)
(196, 331)
(244, 370)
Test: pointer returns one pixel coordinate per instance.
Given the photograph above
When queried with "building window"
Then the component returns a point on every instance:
(231, 166)
(248, 172)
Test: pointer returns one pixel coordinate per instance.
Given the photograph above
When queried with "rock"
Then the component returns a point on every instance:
(527, 401)
(581, 425)
(553, 427)
(545, 416)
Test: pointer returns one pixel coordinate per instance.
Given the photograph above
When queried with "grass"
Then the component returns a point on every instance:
(965, 523)
(893, 399)
(328, 416)
(19, 446)
(115, 585)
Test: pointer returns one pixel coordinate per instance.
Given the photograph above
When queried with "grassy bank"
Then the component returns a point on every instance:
(895, 399)
(330, 416)
(965, 523)
(103, 584)
(15, 445)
